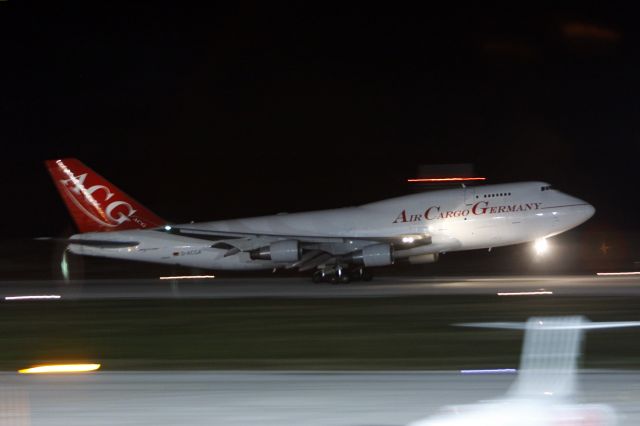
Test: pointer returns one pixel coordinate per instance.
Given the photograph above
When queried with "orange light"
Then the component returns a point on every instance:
(60, 368)
(450, 179)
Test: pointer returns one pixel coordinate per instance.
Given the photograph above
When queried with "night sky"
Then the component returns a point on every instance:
(229, 111)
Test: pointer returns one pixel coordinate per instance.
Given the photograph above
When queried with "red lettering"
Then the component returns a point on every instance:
(427, 211)
(402, 217)
(476, 209)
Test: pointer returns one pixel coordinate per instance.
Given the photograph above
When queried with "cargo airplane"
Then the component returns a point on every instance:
(338, 245)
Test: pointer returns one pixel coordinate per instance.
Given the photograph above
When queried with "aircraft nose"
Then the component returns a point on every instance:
(589, 211)
(584, 211)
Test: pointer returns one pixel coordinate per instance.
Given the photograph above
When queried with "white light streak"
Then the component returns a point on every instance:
(604, 274)
(34, 297)
(490, 371)
(188, 277)
(525, 293)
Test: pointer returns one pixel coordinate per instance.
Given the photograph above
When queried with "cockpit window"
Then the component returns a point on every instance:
(545, 188)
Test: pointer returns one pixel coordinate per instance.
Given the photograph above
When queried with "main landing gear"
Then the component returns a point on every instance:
(341, 275)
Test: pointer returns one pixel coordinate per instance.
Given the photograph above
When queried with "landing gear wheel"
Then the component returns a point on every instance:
(366, 275)
(317, 277)
(341, 276)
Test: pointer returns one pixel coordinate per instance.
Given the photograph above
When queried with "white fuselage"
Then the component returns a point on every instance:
(454, 219)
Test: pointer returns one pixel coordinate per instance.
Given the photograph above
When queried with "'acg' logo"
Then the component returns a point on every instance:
(93, 198)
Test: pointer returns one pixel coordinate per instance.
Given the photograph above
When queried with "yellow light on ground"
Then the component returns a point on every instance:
(60, 368)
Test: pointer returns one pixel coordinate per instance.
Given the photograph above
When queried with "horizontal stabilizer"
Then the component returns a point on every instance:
(93, 243)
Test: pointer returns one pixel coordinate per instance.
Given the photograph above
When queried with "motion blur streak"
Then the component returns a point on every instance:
(188, 277)
(493, 371)
(525, 293)
(60, 368)
(605, 274)
(451, 179)
(34, 297)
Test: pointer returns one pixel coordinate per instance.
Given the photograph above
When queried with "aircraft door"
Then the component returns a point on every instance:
(469, 196)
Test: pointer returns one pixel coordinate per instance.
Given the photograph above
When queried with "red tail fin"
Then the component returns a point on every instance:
(95, 204)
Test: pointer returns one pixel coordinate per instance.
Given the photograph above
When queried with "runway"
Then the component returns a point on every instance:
(266, 399)
(287, 287)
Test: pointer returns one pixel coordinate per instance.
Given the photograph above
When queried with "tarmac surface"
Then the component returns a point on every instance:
(301, 287)
(273, 398)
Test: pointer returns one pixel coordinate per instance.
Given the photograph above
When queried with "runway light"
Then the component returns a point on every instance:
(526, 293)
(60, 368)
(34, 297)
(541, 246)
(449, 179)
(188, 277)
(605, 274)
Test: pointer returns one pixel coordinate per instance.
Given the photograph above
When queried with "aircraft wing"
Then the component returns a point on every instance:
(317, 249)
(249, 241)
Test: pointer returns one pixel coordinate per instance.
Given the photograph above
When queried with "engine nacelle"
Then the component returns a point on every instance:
(374, 255)
(285, 251)
(423, 258)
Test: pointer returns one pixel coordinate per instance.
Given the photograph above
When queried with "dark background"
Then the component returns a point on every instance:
(250, 109)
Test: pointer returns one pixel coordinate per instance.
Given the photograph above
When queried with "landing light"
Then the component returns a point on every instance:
(541, 246)
(167, 228)
(408, 240)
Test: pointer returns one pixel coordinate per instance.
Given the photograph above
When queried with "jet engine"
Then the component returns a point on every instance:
(374, 255)
(284, 251)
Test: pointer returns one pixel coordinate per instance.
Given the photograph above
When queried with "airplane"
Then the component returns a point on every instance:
(338, 245)
(544, 390)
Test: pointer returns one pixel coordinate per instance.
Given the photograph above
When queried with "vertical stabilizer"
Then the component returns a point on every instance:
(95, 204)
